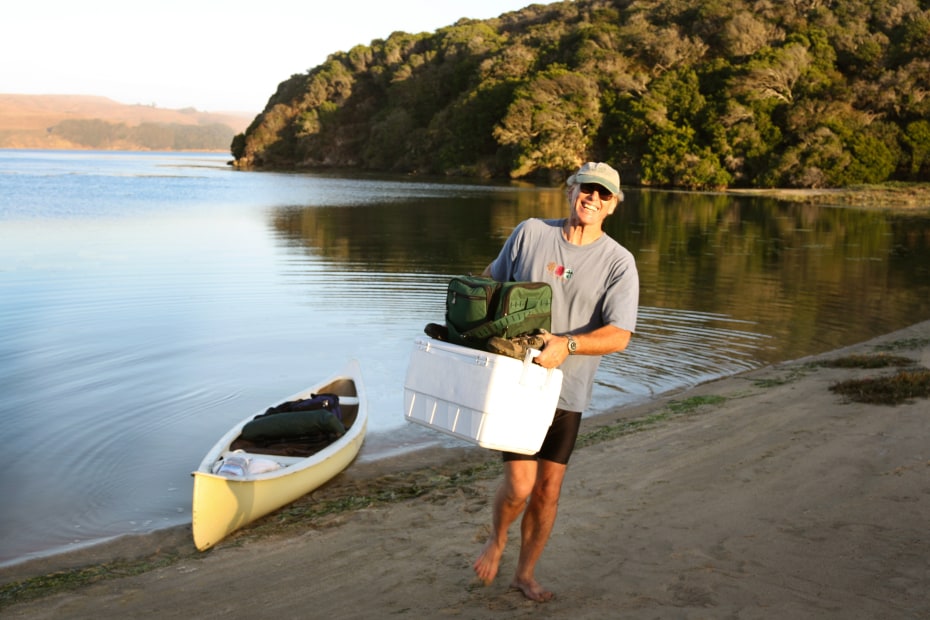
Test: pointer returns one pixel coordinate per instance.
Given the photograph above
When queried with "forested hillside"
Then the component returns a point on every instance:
(680, 93)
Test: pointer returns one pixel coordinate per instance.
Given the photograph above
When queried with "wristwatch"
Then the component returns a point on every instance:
(572, 345)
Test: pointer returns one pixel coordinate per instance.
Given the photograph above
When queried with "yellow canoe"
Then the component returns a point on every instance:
(224, 503)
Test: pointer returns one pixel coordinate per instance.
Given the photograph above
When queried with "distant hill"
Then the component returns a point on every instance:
(88, 122)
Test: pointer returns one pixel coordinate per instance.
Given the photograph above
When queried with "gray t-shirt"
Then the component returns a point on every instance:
(592, 285)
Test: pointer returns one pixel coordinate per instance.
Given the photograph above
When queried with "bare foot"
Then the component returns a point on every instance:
(533, 591)
(487, 563)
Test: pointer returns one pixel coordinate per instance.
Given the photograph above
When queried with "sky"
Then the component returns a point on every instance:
(213, 55)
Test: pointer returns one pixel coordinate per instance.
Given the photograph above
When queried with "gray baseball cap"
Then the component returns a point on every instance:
(599, 173)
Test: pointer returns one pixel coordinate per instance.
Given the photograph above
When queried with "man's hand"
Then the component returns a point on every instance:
(602, 341)
(554, 352)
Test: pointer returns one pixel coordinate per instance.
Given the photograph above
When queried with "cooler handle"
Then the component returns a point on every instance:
(528, 361)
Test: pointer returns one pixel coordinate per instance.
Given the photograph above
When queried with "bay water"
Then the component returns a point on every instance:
(148, 301)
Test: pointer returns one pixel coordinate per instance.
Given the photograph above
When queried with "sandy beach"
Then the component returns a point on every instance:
(769, 496)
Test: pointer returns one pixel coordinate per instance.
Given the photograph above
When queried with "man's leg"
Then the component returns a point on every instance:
(509, 501)
(537, 526)
(534, 485)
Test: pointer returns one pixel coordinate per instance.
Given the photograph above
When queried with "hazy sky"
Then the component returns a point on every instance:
(214, 55)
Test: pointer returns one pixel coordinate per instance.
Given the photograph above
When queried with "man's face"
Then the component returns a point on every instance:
(591, 204)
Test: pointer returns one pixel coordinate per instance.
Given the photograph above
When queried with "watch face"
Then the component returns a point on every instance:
(572, 345)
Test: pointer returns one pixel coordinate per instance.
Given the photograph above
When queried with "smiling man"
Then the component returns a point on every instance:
(595, 297)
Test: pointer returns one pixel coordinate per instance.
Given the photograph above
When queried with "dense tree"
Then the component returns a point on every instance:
(687, 93)
(917, 140)
(551, 122)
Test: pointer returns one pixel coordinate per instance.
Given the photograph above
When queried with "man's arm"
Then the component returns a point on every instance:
(601, 341)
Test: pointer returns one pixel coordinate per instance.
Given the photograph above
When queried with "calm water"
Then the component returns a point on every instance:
(149, 301)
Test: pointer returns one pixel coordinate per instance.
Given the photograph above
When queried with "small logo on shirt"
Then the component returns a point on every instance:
(560, 271)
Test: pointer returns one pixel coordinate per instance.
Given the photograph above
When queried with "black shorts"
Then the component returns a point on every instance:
(559, 442)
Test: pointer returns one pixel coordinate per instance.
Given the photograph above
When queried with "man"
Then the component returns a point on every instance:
(595, 294)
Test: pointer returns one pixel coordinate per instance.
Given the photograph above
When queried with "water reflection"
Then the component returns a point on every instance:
(811, 278)
(804, 279)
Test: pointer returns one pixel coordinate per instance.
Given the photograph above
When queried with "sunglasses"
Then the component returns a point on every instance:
(591, 188)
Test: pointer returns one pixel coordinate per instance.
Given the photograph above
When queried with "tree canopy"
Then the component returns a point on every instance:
(698, 94)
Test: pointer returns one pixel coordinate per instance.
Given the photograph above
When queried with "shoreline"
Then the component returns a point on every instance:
(913, 198)
(897, 196)
(771, 394)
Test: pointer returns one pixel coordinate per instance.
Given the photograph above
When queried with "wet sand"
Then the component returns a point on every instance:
(783, 500)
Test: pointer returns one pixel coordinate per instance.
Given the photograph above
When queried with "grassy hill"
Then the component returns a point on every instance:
(84, 122)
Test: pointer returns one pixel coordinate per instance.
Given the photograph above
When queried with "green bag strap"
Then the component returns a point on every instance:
(486, 330)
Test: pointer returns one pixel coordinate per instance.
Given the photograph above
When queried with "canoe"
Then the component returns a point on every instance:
(227, 498)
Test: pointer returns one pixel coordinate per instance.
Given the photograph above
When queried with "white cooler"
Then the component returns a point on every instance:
(493, 401)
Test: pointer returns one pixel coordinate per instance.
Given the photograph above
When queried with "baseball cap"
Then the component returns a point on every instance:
(600, 173)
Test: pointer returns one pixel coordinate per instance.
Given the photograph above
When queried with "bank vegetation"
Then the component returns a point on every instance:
(696, 94)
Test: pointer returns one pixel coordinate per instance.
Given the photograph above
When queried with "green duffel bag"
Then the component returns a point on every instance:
(478, 308)
(292, 424)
